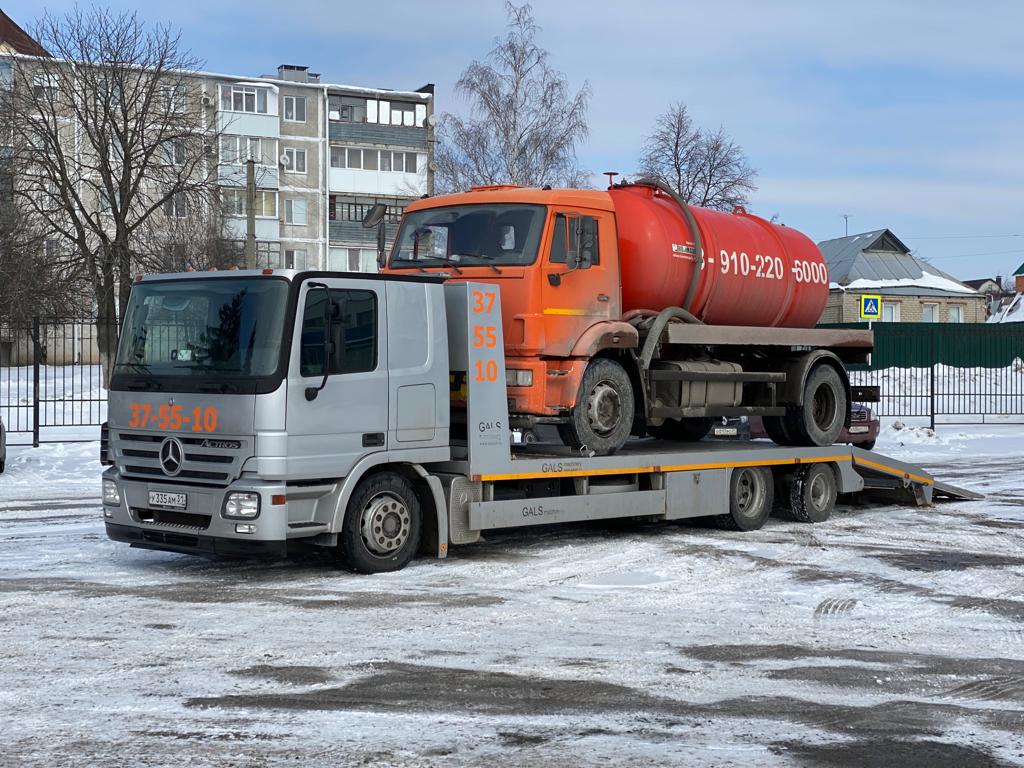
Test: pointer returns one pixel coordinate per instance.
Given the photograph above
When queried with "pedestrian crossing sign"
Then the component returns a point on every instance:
(870, 307)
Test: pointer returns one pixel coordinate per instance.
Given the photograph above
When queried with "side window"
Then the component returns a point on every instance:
(575, 235)
(354, 333)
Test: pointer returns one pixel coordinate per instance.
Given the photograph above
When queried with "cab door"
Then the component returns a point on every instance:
(348, 418)
(580, 283)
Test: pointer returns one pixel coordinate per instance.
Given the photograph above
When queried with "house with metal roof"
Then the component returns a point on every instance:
(1018, 277)
(910, 289)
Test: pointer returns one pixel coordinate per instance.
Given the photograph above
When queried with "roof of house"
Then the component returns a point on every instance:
(1019, 270)
(18, 39)
(880, 262)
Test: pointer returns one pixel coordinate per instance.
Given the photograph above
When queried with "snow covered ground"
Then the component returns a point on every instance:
(886, 635)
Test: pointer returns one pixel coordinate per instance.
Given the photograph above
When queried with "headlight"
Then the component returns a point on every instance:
(518, 378)
(242, 505)
(111, 495)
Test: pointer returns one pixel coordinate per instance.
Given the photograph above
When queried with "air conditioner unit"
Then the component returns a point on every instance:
(285, 160)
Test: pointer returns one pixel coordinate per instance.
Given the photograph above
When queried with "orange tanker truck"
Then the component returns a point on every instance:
(629, 312)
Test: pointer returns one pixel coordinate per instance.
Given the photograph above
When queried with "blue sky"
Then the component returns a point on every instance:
(907, 115)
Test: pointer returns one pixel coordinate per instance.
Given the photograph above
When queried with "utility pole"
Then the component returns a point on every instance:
(250, 214)
(846, 223)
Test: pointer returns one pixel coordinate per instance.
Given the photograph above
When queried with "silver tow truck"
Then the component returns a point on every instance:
(258, 413)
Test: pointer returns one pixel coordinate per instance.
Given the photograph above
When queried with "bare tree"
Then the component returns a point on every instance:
(33, 280)
(181, 244)
(524, 124)
(706, 168)
(110, 137)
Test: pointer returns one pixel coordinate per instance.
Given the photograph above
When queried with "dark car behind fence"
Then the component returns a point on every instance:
(52, 389)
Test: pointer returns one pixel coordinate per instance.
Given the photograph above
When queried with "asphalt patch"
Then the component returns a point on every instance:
(906, 754)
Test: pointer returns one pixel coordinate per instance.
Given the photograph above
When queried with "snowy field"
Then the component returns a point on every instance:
(887, 635)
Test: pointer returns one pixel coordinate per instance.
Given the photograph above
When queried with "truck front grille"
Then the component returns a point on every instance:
(138, 454)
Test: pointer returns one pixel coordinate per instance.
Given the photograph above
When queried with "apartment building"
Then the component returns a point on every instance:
(323, 154)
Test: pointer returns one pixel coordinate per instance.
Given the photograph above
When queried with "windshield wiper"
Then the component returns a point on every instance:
(449, 263)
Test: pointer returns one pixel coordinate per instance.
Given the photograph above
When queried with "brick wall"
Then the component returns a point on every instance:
(845, 307)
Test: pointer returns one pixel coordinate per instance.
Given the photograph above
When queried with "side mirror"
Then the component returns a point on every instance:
(375, 217)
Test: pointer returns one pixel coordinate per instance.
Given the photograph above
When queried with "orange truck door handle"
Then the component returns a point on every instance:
(602, 297)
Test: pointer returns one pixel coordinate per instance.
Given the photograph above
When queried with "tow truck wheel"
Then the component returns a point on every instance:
(812, 496)
(751, 494)
(681, 430)
(821, 417)
(382, 525)
(602, 418)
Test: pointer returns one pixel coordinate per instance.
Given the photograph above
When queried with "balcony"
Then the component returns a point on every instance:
(370, 133)
(352, 232)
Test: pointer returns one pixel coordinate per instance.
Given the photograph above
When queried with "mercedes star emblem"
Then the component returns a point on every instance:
(172, 454)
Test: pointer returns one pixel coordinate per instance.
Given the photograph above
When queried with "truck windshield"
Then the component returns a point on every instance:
(204, 328)
(464, 235)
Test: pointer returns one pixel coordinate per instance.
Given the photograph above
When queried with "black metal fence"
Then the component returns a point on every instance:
(52, 387)
(950, 373)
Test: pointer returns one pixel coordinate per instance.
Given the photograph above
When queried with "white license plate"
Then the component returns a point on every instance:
(725, 431)
(161, 499)
(858, 430)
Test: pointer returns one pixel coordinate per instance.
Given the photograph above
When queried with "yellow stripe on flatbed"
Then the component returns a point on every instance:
(895, 471)
(669, 468)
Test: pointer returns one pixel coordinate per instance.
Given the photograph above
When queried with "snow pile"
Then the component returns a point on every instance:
(926, 280)
(1011, 313)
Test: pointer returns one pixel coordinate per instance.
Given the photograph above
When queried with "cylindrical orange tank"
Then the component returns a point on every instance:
(755, 272)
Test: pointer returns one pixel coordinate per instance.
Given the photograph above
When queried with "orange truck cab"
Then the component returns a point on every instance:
(554, 255)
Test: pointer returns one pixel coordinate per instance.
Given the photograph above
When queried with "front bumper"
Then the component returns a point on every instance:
(200, 528)
(192, 544)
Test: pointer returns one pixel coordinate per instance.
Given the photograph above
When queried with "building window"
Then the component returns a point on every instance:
(174, 152)
(351, 209)
(174, 97)
(295, 259)
(44, 87)
(295, 211)
(890, 312)
(295, 160)
(956, 313)
(347, 109)
(237, 150)
(930, 313)
(6, 74)
(295, 109)
(243, 98)
(373, 160)
(234, 202)
(402, 114)
(176, 206)
(268, 254)
(51, 249)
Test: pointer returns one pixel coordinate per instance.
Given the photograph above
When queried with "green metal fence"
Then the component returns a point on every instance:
(953, 372)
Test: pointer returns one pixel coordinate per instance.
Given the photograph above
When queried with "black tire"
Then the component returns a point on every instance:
(382, 504)
(824, 411)
(812, 494)
(751, 495)
(775, 428)
(681, 430)
(602, 418)
(868, 445)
